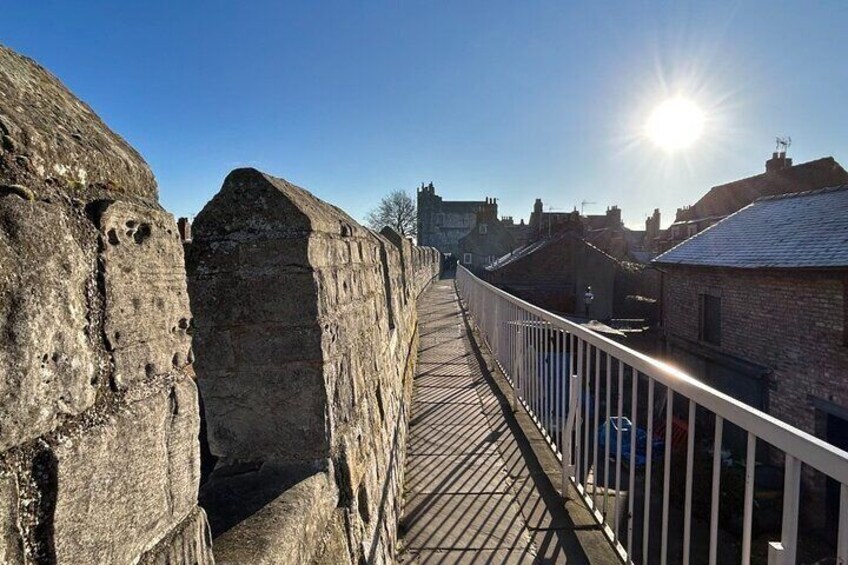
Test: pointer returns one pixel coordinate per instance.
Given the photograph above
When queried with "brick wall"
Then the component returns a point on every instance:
(791, 323)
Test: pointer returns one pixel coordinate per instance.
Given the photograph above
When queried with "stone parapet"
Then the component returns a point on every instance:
(306, 337)
(99, 457)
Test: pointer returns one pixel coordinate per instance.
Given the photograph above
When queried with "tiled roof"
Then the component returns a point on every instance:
(727, 198)
(802, 230)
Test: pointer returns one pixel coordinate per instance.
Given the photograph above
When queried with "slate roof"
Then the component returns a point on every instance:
(801, 230)
(535, 246)
(727, 198)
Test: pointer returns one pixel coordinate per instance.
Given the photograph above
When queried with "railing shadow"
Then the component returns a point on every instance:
(557, 544)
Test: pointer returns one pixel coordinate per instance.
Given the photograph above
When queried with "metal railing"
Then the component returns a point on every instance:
(608, 410)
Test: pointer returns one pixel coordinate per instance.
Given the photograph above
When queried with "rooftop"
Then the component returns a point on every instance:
(727, 198)
(801, 230)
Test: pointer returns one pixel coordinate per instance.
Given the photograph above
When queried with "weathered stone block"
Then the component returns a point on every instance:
(288, 521)
(147, 310)
(47, 359)
(189, 544)
(59, 136)
(267, 413)
(123, 485)
(248, 298)
(11, 546)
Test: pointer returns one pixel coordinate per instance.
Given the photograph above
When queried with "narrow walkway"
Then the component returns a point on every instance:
(459, 506)
(481, 483)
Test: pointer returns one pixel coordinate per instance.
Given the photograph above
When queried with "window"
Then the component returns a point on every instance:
(710, 319)
(691, 230)
(483, 228)
(466, 258)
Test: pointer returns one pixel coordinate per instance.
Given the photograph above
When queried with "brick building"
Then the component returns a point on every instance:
(553, 273)
(780, 177)
(442, 223)
(756, 306)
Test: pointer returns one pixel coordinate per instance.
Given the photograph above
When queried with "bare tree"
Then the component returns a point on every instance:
(396, 210)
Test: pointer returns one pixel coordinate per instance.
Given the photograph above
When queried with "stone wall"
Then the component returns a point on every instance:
(99, 418)
(306, 338)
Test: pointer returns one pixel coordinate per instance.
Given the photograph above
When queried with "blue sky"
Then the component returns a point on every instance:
(515, 100)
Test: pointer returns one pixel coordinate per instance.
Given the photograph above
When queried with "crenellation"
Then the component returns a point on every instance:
(342, 405)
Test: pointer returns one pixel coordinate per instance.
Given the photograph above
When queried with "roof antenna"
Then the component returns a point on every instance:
(782, 144)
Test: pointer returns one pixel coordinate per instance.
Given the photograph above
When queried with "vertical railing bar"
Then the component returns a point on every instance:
(531, 361)
(578, 444)
(607, 436)
(690, 456)
(543, 394)
(550, 398)
(669, 414)
(646, 520)
(842, 524)
(619, 415)
(595, 428)
(559, 391)
(525, 380)
(748, 514)
(568, 461)
(537, 372)
(631, 499)
(791, 507)
(714, 498)
(587, 379)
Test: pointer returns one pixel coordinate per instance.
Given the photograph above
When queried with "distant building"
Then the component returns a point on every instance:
(653, 231)
(442, 223)
(757, 306)
(489, 239)
(781, 177)
(184, 229)
(520, 231)
(554, 273)
(545, 224)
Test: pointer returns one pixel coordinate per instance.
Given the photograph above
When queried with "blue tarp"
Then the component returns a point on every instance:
(657, 445)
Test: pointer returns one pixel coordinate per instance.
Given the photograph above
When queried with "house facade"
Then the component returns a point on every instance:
(489, 239)
(756, 306)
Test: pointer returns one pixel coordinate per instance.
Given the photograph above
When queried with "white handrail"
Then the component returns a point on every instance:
(532, 345)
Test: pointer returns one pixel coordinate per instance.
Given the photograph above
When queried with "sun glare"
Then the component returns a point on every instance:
(675, 124)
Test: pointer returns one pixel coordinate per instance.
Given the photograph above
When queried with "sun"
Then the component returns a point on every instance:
(675, 124)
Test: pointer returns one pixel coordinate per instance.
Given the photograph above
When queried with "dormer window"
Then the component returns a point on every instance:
(483, 229)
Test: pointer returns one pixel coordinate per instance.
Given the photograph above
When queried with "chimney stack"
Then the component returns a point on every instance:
(778, 161)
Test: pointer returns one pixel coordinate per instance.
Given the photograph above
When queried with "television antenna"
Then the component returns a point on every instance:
(782, 144)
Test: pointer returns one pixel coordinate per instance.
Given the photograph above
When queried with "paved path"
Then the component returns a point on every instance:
(459, 506)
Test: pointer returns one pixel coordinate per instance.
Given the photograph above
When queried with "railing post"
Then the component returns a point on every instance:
(776, 553)
(842, 538)
(568, 432)
(791, 508)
